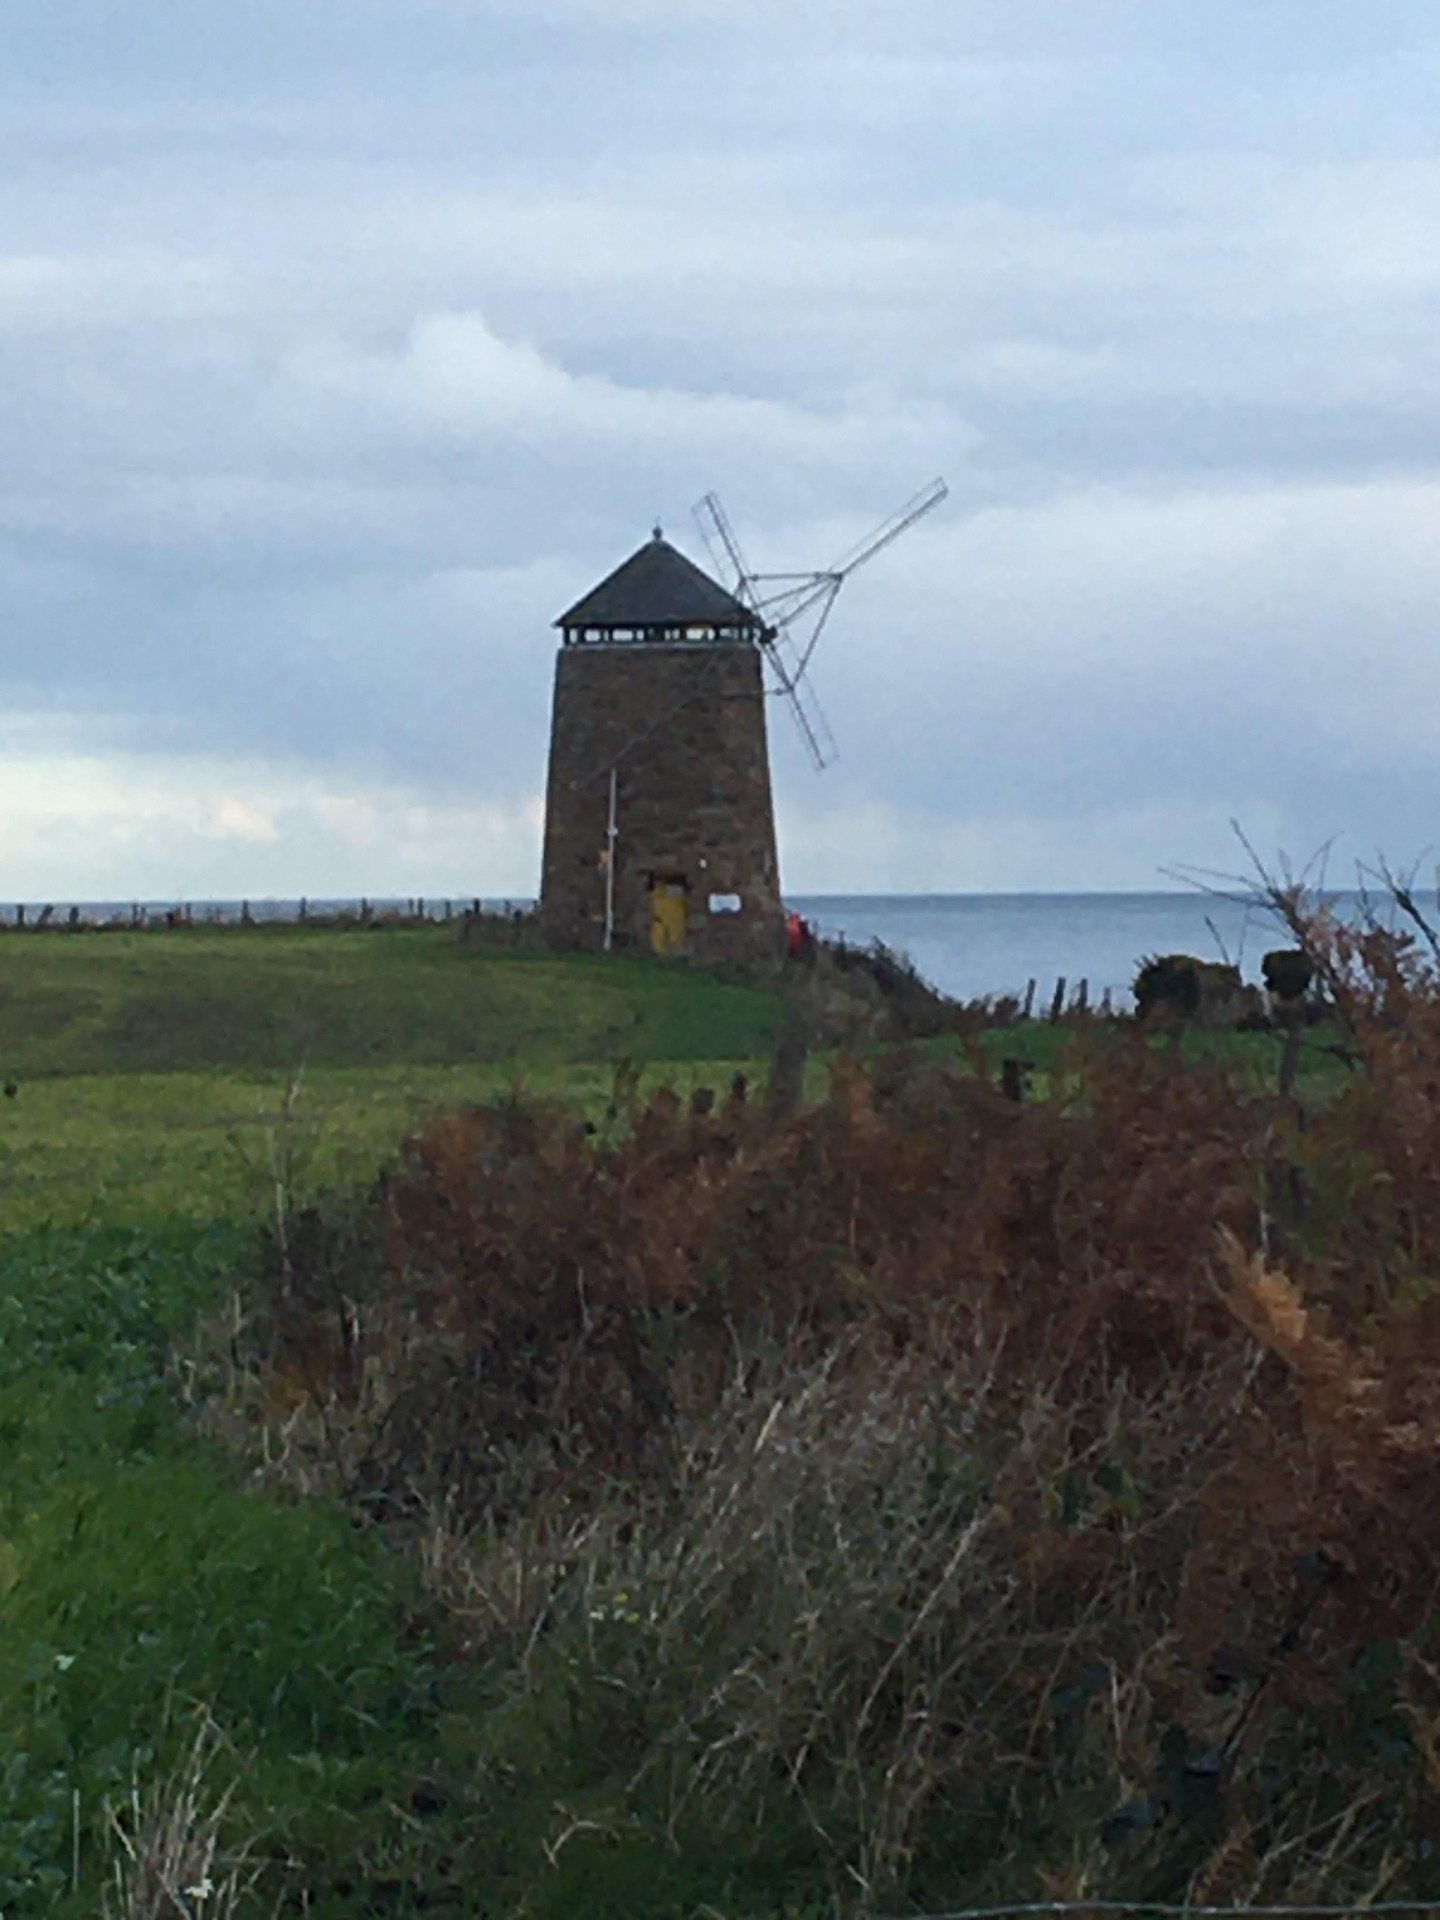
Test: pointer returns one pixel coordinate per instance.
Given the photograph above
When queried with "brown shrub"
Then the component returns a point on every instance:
(547, 1290)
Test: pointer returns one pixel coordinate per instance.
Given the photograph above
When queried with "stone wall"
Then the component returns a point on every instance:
(684, 728)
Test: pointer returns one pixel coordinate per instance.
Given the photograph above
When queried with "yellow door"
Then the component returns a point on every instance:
(669, 912)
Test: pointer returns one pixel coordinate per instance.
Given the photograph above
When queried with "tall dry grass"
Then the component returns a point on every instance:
(170, 1859)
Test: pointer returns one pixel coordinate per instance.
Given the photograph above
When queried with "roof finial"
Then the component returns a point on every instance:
(659, 531)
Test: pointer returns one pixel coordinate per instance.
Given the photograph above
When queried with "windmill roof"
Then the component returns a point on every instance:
(658, 587)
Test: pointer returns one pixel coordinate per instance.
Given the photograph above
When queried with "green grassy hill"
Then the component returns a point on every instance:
(160, 1074)
(264, 999)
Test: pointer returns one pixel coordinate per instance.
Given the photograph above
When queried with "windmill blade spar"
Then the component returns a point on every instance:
(924, 502)
(810, 721)
(715, 528)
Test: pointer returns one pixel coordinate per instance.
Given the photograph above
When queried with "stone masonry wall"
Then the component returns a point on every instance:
(684, 727)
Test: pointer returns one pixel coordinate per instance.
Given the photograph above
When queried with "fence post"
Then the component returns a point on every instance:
(1029, 1006)
(1057, 1001)
(786, 1086)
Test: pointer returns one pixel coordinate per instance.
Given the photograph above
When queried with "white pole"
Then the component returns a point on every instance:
(610, 834)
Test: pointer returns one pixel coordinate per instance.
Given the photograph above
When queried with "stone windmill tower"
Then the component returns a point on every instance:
(659, 822)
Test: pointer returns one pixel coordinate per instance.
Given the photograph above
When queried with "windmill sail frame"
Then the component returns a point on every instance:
(781, 601)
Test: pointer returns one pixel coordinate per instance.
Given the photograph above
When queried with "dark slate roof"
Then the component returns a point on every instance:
(658, 587)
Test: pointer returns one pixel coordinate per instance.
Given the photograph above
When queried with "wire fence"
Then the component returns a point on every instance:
(26, 917)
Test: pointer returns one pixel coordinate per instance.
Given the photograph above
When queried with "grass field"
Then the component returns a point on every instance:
(159, 1073)
(266, 999)
(163, 1079)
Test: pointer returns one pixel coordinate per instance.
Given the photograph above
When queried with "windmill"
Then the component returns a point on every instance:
(792, 608)
(659, 814)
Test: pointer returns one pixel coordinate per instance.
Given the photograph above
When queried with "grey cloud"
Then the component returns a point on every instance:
(343, 344)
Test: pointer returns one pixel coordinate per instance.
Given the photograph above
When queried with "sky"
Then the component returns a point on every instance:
(343, 344)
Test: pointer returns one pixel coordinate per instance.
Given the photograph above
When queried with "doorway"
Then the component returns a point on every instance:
(669, 913)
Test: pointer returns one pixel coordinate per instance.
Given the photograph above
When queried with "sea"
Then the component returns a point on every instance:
(970, 945)
(973, 945)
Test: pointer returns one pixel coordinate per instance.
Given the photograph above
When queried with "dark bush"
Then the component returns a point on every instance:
(1288, 973)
